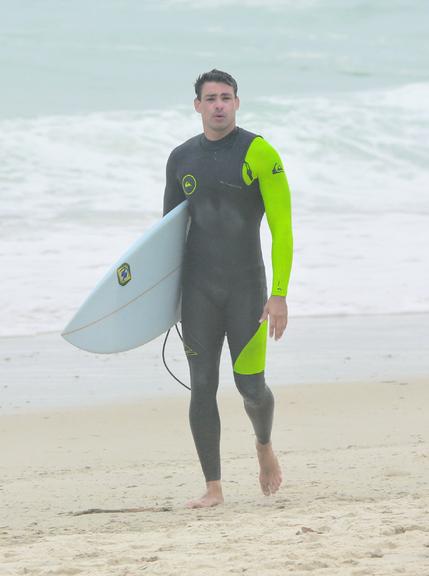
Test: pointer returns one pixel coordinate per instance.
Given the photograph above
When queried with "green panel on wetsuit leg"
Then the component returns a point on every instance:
(251, 359)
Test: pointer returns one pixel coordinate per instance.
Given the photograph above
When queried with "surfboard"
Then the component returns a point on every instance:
(139, 297)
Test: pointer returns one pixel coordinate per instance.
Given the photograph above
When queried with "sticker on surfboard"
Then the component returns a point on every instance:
(124, 274)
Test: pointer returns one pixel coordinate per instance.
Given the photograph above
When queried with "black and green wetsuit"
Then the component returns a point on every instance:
(228, 184)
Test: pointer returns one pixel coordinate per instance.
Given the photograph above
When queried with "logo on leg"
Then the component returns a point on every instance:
(123, 274)
(189, 184)
(189, 351)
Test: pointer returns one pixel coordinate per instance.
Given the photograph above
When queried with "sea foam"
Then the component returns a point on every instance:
(77, 190)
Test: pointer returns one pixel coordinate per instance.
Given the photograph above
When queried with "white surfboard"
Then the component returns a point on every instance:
(139, 297)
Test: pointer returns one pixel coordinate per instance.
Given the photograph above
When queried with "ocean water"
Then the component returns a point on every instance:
(94, 97)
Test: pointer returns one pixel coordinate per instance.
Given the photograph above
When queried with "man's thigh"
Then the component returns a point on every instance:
(247, 337)
(203, 321)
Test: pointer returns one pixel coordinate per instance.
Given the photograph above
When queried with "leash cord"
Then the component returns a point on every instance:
(163, 356)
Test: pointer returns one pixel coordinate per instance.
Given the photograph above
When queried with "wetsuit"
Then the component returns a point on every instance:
(228, 184)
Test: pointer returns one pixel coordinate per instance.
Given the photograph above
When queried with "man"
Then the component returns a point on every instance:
(229, 177)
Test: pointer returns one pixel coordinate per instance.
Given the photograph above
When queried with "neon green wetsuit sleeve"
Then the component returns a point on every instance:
(263, 162)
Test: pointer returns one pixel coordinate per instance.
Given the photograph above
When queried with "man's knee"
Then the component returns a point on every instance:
(204, 379)
(252, 387)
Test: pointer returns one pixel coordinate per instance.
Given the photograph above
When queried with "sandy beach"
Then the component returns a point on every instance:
(97, 460)
(100, 490)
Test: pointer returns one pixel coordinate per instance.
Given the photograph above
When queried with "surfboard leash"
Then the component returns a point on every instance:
(163, 356)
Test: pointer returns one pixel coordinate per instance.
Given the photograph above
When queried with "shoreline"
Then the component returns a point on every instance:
(43, 371)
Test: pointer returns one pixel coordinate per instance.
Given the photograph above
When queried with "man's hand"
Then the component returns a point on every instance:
(276, 309)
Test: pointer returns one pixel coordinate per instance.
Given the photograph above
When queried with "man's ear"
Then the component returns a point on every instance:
(237, 103)
(197, 104)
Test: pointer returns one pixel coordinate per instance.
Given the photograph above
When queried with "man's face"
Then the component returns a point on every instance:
(217, 107)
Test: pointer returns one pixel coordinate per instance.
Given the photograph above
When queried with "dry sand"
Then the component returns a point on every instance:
(355, 500)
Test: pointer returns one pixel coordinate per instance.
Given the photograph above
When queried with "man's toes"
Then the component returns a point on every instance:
(265, 488)
(274, 484)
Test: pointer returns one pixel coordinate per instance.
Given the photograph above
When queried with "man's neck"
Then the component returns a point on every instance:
(214, 135)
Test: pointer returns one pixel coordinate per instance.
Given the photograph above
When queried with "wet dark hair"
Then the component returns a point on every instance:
(214, 76)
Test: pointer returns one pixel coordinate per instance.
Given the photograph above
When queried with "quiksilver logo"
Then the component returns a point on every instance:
(189, 184)
(277, 168)
(189, 351)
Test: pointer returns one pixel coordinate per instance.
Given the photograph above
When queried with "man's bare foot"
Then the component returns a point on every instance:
(213, 496)
(270, 475)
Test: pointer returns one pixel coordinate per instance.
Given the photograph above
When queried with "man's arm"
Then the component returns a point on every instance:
(268, 168)
(173, 194)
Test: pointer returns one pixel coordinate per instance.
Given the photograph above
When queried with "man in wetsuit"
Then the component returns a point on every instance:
(230, 177)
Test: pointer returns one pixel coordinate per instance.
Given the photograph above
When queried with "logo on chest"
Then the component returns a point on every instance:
(189, 184)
